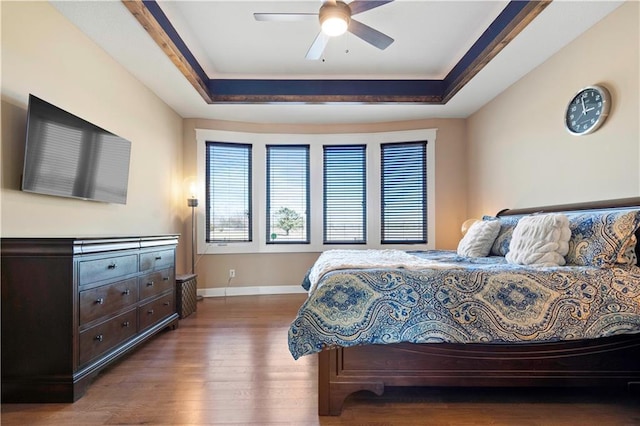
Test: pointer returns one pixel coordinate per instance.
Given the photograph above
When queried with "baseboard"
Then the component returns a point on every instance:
(250, 291)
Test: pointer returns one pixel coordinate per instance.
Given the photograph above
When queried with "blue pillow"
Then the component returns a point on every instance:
(500, 246)
(601, 238)
(306, 283)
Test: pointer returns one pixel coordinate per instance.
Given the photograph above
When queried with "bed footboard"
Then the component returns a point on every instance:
(333, 390)
(608, 362)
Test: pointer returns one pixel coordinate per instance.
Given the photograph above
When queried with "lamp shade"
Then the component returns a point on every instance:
(190, 187)
(467, 224)
(334, 26)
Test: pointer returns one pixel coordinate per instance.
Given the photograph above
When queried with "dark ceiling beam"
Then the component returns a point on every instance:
(141, 10)
(511, 21)
(326, 91)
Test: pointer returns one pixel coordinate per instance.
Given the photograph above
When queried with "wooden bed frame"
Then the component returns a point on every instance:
(607, 362)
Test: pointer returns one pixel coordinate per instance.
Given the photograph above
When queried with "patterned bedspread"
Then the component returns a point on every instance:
(470, 300)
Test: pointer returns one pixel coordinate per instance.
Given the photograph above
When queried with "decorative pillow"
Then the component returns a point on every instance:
(306, 282)
(479, 238)
(601, 239)
(628, 255)
(500, 246)
(540, 240)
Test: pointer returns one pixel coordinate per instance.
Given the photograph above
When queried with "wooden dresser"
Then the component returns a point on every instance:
(73, 306)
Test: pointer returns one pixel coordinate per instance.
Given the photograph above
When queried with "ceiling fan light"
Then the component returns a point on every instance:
(335, 18)
(334, 26)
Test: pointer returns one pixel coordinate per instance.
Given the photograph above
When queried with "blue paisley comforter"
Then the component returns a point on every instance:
(471, 300)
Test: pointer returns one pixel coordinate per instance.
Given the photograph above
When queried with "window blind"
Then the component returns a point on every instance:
(344, 204)
(228, 192)
(287, 194)
(404, 193)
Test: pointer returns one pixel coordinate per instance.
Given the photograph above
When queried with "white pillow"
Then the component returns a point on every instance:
(540, 240)
(479, 238)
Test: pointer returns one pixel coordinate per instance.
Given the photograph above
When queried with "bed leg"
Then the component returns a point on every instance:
(331, 391)
(323, 383)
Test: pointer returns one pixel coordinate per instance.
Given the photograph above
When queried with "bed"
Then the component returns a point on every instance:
(436, 318)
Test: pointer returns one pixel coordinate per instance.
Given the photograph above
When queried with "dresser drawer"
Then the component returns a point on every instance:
(156, 259)
(155, 310)
(153, 284)
(98, 340)
(107, 268)
(107, 299)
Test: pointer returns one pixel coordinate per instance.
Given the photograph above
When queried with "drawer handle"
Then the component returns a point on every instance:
(165, 278)
(100, 301)
(113, 265)
(149, 283)
(99, 338)
(166, 303)
(150, 311)
(125, 324)
(126, 292)
(158, 257)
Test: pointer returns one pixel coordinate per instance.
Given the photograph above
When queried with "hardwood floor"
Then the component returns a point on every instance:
(228, 363)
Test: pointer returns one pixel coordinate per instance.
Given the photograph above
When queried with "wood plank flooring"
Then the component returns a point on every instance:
(228, 364)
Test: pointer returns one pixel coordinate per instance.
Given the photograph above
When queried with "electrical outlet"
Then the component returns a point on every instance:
(232, 273)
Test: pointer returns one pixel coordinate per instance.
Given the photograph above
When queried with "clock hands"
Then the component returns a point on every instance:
(584, 110)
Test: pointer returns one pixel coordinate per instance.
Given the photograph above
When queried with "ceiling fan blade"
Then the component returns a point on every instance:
(317, 47)
(368, 34)
(286, 17)
(359, 6)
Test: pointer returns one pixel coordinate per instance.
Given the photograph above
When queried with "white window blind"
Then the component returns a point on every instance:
(345, 199)
(404, 193)
(228, 192)
(287, 194)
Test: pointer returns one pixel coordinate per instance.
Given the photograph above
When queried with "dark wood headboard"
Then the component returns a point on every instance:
(591, 205)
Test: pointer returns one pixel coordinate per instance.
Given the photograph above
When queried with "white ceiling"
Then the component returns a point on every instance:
(430, 38)
(232, 43)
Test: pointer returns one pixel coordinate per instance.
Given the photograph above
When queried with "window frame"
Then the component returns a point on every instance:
(384, 187)
(363, 172)
(315, 142)
(248, 150)
(307, 223)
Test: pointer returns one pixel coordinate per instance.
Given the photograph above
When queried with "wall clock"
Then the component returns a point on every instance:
(587, 110)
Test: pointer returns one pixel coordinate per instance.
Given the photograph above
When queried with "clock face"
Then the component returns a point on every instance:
(587, 110)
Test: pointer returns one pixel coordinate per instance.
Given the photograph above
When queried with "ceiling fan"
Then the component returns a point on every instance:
(335, 18)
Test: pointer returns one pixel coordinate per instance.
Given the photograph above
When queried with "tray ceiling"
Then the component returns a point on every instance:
(256, 71)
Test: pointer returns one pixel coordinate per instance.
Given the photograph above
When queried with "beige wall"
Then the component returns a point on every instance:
(289, 269)
(514, 152)
(520, 154)
(44, 54)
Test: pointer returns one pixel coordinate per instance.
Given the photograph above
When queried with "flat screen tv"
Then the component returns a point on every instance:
(70, 157)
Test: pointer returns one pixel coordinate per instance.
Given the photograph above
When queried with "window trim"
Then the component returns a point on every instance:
(316, 142)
